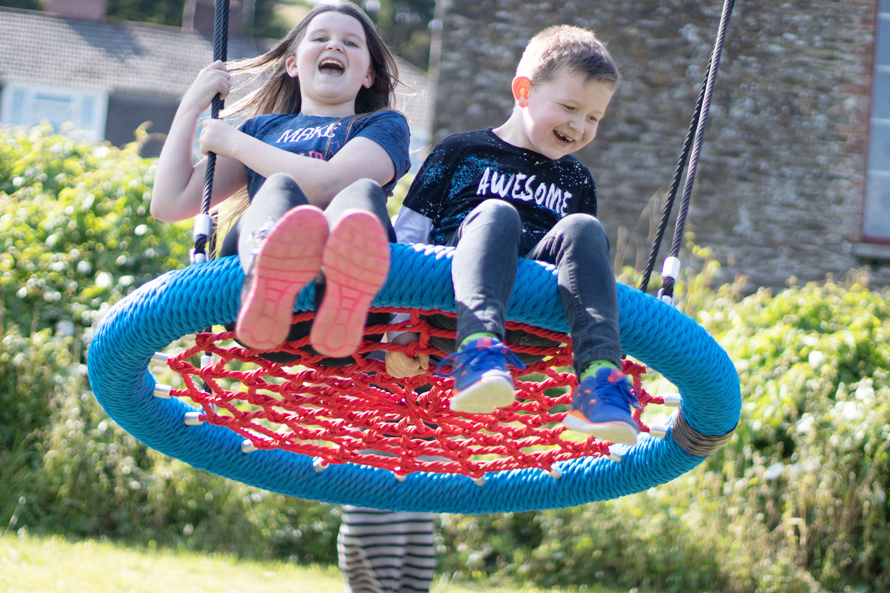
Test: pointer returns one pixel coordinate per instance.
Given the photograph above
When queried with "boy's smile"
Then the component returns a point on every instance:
(559, 116)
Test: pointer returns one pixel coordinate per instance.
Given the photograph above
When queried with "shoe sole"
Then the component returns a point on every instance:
(614, 432)
(355, 264)
(484, 396)
(288, 259)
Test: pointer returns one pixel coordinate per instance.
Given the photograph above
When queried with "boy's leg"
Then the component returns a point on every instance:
(355, 264)
(601, 405)
(579, 248)
(484, 267)
(483, 271)
(280, 239)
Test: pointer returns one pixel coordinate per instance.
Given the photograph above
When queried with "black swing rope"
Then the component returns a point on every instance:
(203, 223)
(691, 143)
(203, 227)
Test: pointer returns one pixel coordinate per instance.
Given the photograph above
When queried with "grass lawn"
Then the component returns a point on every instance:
(54, 565)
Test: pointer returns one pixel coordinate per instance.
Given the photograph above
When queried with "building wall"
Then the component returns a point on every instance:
(127, 111)
(781, 179)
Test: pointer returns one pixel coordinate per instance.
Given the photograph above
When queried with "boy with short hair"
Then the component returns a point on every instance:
(515, 190)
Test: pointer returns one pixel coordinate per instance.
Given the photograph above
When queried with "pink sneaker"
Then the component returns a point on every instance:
(355, 264)
(287, 258)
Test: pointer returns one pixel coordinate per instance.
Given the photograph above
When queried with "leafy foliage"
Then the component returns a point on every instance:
(795, 502)
(27, 4)
(160, 12)
(75, 229)
(405, 24)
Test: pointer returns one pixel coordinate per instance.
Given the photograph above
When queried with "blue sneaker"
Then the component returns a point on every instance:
(601, 407)
(481, 379)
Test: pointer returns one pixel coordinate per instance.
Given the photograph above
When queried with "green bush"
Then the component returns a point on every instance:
(76, 238)
(796, 501)
(75, 230)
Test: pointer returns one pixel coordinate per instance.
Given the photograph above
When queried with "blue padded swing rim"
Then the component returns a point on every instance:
(183, 302)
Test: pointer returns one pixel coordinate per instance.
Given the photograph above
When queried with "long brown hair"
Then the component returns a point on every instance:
(280, 93)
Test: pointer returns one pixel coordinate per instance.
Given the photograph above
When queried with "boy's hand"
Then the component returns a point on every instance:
(400, 365)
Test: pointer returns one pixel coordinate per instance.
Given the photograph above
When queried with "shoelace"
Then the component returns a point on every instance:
(619, 390)
(475, 357)
(258, 237)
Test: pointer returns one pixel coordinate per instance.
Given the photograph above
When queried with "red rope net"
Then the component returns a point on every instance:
(359, 414)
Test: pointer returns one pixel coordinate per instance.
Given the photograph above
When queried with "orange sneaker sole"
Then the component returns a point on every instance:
(288, 259)
(355, 264)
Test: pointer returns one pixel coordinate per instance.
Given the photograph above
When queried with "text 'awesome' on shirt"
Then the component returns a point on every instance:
(466, 169)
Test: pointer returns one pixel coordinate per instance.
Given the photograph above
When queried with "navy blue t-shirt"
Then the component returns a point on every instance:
(465, 169)
(321, 137)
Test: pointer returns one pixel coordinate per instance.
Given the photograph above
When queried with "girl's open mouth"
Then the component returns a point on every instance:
(331, 66)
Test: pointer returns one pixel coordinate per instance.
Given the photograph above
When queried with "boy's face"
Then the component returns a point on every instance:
(560, 116)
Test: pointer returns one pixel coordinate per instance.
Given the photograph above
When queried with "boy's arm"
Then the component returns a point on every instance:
(588, 196)
(412, 227)
(426, 196)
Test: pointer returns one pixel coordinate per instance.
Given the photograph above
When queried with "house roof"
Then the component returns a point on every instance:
(114, 56)
(147, 59)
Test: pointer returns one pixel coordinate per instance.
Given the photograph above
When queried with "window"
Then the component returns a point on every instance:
(876, 220)
(25, 104)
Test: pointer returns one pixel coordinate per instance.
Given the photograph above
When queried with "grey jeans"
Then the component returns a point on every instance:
(484, 269)
(274, 199)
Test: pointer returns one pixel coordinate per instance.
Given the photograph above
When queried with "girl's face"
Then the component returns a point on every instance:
(333, 63)
(561, 116)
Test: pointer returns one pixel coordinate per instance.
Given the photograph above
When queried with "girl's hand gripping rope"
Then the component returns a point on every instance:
(212, 80)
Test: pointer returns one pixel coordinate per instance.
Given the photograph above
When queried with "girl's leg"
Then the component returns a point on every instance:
(484, 267)
(355, 264)
(578, 246)
(275, 198)
(366, 195)
(280, 240)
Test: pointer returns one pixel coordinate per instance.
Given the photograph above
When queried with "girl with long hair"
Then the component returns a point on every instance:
(320, 151)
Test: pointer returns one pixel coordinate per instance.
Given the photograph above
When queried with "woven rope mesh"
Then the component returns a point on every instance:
(357, 413)
(183, 302)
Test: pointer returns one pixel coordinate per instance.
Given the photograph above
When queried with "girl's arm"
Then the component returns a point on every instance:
(179, 184)
(360, 158)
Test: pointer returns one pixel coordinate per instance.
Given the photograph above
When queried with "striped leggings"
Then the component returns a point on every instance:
(386, 552)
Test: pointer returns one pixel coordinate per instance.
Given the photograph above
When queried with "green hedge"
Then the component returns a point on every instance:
(795, 502)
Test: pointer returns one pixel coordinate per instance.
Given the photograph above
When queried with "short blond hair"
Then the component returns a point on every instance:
(567, 47)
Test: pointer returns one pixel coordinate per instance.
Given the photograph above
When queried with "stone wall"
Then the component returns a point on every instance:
(781, 178)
